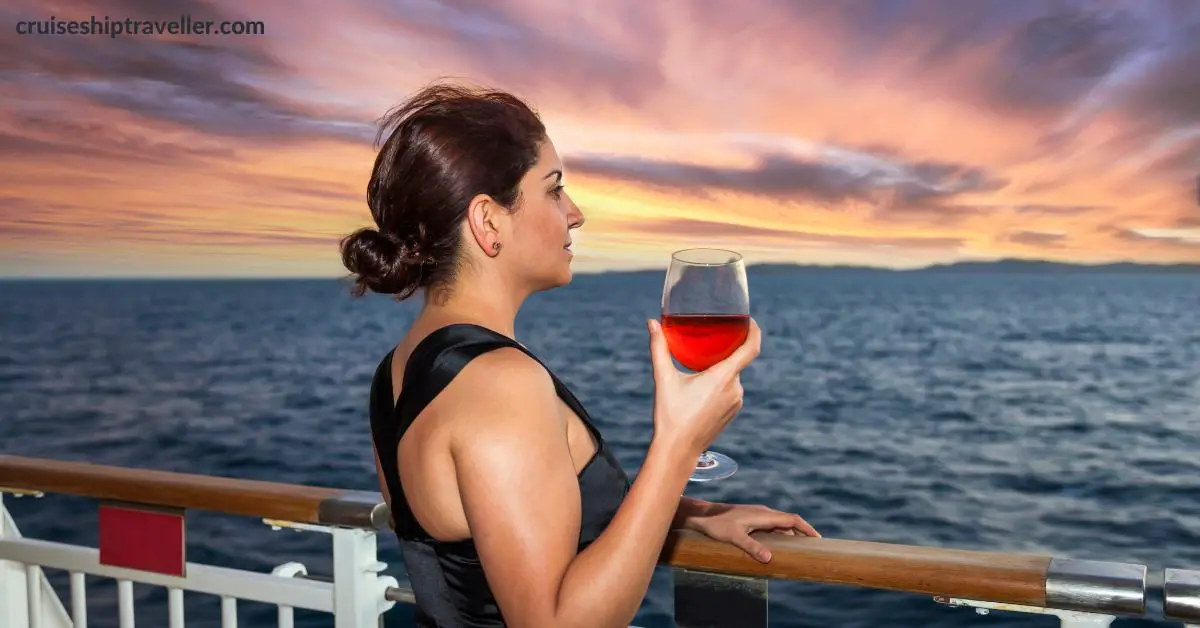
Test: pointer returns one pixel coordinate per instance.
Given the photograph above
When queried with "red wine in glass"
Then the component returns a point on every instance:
(699, 341)
(705, 318)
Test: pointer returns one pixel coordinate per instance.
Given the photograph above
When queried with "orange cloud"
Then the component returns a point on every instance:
(794, 131)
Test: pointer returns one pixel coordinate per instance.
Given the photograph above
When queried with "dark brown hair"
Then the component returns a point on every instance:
(446, 144)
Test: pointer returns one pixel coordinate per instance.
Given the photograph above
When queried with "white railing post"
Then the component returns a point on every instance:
(79, 601)
(174, 607)
(13, 607)
(125, 603)
(288, 570)
(229, 616)
(358, 589)
(33, 593)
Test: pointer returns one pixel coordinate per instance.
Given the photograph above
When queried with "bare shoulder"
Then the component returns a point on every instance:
(503, 390)
(508, 366)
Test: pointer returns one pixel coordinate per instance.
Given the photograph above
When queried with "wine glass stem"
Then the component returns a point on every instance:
(706, 460)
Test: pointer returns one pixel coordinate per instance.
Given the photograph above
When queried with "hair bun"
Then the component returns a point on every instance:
(381, 263)
(444, 146)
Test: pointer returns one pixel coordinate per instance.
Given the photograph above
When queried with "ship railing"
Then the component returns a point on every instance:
(715, 585)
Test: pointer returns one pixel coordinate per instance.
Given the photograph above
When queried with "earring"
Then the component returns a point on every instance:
(496, 246)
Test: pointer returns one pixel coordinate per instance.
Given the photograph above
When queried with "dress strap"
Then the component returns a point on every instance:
(434, 363)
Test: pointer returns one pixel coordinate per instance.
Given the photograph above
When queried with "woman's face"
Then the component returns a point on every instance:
(541, 227)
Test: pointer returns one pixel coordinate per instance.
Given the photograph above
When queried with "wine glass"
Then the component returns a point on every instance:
(705, 318)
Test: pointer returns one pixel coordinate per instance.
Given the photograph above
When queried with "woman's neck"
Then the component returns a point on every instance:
(487, 303)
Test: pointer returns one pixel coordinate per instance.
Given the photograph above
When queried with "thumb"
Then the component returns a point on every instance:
(660, 354)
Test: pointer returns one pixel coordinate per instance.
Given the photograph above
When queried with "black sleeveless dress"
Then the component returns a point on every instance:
(447, 578)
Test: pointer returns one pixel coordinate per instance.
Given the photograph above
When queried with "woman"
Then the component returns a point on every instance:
(509, 505)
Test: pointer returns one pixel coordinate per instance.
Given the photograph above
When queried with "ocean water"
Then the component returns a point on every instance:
(1049, 414)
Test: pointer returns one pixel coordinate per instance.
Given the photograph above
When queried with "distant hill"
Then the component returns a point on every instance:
(1004, 266)
(769, 269)
(1040, 266)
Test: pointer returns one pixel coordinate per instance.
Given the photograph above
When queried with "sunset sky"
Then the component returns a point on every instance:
(895, 134)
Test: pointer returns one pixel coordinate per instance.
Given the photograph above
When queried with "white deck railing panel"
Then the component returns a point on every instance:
(219, 581)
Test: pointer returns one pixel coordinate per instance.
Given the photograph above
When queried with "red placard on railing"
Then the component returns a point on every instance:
(147, 538)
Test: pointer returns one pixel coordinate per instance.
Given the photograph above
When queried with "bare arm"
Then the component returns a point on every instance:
(521, 498)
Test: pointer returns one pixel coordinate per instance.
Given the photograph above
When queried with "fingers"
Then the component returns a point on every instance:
(744, 355)
(755, 549)
(731, 414)
(804, 526)
(660, 354)
(736, 401)
(768, 519)
(773, 519)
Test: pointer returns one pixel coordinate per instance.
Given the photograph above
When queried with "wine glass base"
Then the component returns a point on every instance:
(713, 466)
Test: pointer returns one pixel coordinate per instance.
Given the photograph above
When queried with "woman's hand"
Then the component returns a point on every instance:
(733, 523)
(691, 409)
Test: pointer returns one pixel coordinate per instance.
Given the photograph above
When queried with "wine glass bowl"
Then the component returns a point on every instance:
(705, 318)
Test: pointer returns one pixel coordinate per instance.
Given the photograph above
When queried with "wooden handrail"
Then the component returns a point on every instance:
(975, 575)
(1031, 580)
(269, 500)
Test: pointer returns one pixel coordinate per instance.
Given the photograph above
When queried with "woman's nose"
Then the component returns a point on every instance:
(575, 216)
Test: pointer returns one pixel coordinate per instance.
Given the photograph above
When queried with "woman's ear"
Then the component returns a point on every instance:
(485, 217)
